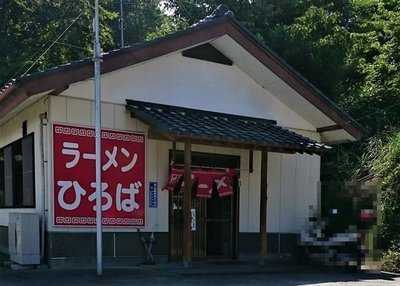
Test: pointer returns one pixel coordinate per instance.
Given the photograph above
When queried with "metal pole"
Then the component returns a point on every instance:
(121, 21)
(97, 96)
(43, 125)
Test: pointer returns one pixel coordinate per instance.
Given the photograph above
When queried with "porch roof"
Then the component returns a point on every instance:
(205, 127)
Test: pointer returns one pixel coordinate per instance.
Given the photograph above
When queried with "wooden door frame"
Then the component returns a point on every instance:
(175, 155)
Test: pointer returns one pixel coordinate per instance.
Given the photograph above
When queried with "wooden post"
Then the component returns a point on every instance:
(187, 205)
(263, 207)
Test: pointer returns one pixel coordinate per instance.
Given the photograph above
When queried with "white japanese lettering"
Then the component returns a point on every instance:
(111, 159)
(104, 194)
(71, 149)
(65, 186)
(132, 164)
(129, 204)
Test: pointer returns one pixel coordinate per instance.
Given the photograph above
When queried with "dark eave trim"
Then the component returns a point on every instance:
(10, 101)
(329, 128)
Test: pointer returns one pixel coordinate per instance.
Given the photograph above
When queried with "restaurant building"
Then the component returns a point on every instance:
(210, 141)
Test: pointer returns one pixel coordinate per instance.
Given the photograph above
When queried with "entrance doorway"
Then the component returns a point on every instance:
(216, 233)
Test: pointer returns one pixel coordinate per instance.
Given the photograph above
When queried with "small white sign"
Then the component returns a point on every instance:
(193, 221)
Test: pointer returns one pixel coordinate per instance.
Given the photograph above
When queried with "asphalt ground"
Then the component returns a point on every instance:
(144, 277)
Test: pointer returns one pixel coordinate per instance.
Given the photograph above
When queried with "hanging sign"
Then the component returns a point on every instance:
(175, 179)
(153, 195)
(205, 180)
(123, 177)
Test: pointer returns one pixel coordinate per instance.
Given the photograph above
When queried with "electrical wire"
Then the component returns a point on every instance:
(52, 44)
(40, 54)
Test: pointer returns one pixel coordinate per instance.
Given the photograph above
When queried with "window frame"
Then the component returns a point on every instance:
(20, 205)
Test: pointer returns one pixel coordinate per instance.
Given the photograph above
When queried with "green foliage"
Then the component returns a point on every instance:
(27, 27)
(318, 35)
(391, 260)
(141, 17)
(383, 160)
(373, 86)
(167, 26)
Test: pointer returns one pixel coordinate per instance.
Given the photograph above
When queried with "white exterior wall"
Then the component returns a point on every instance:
(293, 186)
(11, 131)
(176, 80)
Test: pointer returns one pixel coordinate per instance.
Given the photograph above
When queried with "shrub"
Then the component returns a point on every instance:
(383, 161)
(391, 260)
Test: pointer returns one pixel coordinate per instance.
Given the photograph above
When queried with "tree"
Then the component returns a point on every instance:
(373, 86)
(383, 160)
(322, 40)
(28, 26)
(141, 17)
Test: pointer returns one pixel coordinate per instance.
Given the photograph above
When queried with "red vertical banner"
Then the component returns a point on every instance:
(123, 177)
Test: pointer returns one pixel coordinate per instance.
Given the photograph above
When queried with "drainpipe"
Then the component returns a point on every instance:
(43, 125)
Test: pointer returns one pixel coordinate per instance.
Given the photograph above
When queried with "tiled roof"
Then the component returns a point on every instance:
(6, 88)
(181, 123)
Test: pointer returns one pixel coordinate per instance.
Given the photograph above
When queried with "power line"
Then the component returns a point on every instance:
(38, 55)
(52, 44)
(21, 68)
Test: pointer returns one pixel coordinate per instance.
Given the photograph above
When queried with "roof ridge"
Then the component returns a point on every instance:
(222, 10)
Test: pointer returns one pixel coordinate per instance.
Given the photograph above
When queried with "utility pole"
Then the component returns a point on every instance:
(121, 21)
(97, 98)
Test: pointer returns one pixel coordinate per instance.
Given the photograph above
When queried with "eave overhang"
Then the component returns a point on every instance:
(176, 123)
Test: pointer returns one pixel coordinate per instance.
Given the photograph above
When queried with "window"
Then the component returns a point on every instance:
(17, 174)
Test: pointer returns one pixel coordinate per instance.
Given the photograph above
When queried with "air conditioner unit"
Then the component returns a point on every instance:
(24, 238)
